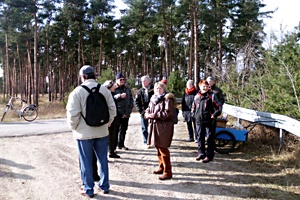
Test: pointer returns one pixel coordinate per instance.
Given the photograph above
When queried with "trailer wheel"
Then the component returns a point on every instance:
(225, 142)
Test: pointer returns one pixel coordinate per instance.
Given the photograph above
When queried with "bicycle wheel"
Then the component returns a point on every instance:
(5, 111)
(30, 113)
(225, 142)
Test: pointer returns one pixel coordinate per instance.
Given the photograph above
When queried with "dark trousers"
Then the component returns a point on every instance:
(207, 130)
(191, 130)
(122, 131)
(113, 135)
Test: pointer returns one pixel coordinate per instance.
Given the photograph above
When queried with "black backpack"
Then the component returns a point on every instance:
(97, 112)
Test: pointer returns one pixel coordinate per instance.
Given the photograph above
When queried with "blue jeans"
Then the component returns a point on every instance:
(85, 149)
(144, 123)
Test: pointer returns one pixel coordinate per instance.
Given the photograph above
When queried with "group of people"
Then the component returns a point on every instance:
(157, 109)
(200, 108)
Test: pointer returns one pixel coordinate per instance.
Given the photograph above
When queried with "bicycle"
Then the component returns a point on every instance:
(29, 111)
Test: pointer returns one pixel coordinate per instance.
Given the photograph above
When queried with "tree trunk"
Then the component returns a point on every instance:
(35, 64)
(101, 51)
(171, 37)
(8, 76)
(196, 62)
(191, 45)
(29, 74)
(145, 70)
(166, 42)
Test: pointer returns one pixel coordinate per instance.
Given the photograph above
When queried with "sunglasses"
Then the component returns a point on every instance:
(122, 79)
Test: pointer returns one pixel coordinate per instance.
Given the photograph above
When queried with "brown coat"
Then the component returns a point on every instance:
(161, 128)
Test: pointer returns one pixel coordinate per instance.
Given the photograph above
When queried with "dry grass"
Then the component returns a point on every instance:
(266, 154)
(46, 109)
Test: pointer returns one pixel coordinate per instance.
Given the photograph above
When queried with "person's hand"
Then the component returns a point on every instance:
(151, 115)
(212, 116)
(123, 95)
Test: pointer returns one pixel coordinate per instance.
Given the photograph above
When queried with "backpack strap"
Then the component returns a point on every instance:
(98, 87)
(87, 88)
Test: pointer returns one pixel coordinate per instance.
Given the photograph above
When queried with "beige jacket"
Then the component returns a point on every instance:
(77, 104)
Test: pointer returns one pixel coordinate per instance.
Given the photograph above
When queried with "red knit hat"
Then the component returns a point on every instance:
(164, 81)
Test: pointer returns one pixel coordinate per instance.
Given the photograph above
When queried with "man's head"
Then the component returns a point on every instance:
(120, 79)
(87, 72)
(146, 80)
(211, 81)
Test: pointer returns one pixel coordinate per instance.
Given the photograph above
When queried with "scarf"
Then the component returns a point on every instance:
(156, 98)
(146, 96)
(190, 91)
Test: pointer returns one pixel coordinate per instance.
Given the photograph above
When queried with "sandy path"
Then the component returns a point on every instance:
(46, 167)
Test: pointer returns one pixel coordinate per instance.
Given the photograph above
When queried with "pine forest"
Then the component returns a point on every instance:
(44, 43)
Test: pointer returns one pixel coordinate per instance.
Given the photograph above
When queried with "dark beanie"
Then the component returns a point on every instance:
(119, 75)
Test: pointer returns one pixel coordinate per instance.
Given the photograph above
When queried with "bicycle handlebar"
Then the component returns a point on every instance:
(13, 97)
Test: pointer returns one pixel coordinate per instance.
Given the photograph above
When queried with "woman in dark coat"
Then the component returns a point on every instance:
(186, 105)
(161, 127)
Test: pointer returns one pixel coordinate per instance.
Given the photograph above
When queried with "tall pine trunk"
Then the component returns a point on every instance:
(35, 64)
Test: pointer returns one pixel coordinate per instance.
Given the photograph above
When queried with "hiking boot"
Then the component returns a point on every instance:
(164, 177)
(114, 155)
(158, 171)
(206, 160)
(200, 157)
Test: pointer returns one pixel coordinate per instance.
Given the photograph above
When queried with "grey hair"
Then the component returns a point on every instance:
(146, 77)
(189, 82)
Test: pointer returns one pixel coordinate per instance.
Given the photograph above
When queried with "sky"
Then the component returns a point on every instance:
(287, 16)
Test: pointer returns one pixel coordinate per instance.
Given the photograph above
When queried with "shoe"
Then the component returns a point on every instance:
(148, 146)
(104, 192)
(190, 140)
(196, 141)
(123, 148)
(158, 171)
(114, 155)
(206, 160)
(82, 192)
(164, 177)
(200, 157)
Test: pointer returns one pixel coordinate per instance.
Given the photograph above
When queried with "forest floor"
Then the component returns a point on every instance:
(46, 167)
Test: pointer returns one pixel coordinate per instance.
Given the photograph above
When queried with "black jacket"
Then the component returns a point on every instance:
(186, 105)
(140, 103)
(219, 93)
(204, 106)
(124, 106)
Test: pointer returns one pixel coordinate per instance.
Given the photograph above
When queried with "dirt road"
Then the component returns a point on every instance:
(46, 167)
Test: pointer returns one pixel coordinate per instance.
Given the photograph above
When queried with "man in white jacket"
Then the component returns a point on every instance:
(90, 138)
